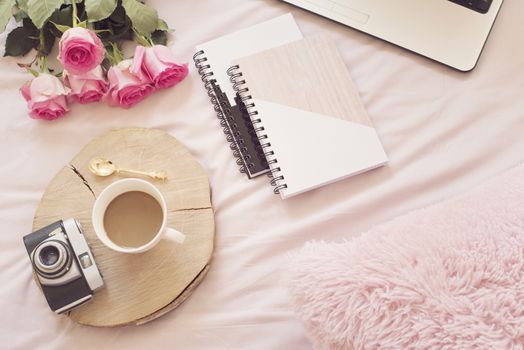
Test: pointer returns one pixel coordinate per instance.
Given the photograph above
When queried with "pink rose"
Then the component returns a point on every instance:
(158, 64)
(46, 97)
(80, 50)
(86, 87)
(125, 88)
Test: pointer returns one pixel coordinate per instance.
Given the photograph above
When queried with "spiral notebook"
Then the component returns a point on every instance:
(307, 114)
(212, 60)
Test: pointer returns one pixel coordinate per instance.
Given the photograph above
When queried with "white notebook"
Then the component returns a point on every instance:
(213, 59)
(307, 113)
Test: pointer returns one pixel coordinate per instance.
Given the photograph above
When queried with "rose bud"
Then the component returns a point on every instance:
(158, 64)
(86, 87)
(46, 97)
(125, 88)
(80, 50)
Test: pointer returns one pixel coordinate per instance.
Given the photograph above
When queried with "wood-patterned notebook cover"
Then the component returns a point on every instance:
(307, 108)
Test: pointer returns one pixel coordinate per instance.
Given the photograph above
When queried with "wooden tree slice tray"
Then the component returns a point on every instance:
(138, 287)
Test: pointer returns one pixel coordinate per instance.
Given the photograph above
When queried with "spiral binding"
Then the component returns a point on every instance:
(239, 85)
(204, 70)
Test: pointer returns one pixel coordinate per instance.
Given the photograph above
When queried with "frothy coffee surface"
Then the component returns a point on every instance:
(133, 219)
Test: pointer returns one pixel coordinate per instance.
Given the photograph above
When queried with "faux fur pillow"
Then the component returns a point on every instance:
(447, 277)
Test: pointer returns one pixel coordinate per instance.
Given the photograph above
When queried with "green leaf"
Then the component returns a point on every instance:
(19, 42)
(141, 40)
(30, 27)
(99, 9)
(63, 17)
(6, 11)
(32, 71)
(22, 5)
(144, 18)
(162, 25)
(62, 28)
(20, 15)
(45, 36)
(100, 31)
(119, 16)
(40, 10)
(82, 15)
(117, 54)
(159, 37)
(118, 31)
(28, 68)
(106, 63)
(49, 39)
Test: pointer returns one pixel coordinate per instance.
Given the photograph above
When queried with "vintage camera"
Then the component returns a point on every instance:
(64, 264)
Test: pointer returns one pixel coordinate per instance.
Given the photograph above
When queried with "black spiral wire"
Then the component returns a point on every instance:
(204, 70)
(239, 85)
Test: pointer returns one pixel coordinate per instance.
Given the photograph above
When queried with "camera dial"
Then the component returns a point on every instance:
(51, 259)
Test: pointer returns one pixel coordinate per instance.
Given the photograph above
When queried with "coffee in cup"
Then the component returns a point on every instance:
(130, 216)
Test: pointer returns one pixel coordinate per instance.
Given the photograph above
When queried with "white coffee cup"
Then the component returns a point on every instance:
(123, 186)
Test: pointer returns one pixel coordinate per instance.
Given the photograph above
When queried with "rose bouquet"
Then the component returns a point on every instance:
(93, 68)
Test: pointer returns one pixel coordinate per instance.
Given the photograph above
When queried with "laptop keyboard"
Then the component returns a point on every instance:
(481, 6)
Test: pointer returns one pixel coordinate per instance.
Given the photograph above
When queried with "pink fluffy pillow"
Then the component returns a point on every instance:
(447, 277)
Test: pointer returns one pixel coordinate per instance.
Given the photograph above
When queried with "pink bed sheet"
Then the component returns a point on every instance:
(444, 132)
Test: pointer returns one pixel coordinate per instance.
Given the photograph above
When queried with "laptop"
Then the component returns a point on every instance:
(452, 32)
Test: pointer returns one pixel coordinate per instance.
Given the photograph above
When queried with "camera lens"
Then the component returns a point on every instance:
(51, 259)
(49, 255)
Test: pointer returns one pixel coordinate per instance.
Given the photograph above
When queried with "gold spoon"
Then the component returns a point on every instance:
(103, 167)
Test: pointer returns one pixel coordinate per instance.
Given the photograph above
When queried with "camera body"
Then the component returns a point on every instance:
(64, 265)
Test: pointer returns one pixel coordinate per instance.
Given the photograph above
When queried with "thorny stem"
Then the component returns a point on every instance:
(75, 13)
(43, 64)
(117, 54)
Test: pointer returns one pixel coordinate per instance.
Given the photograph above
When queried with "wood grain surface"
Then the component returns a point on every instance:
(307, 74)
(138, 287)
